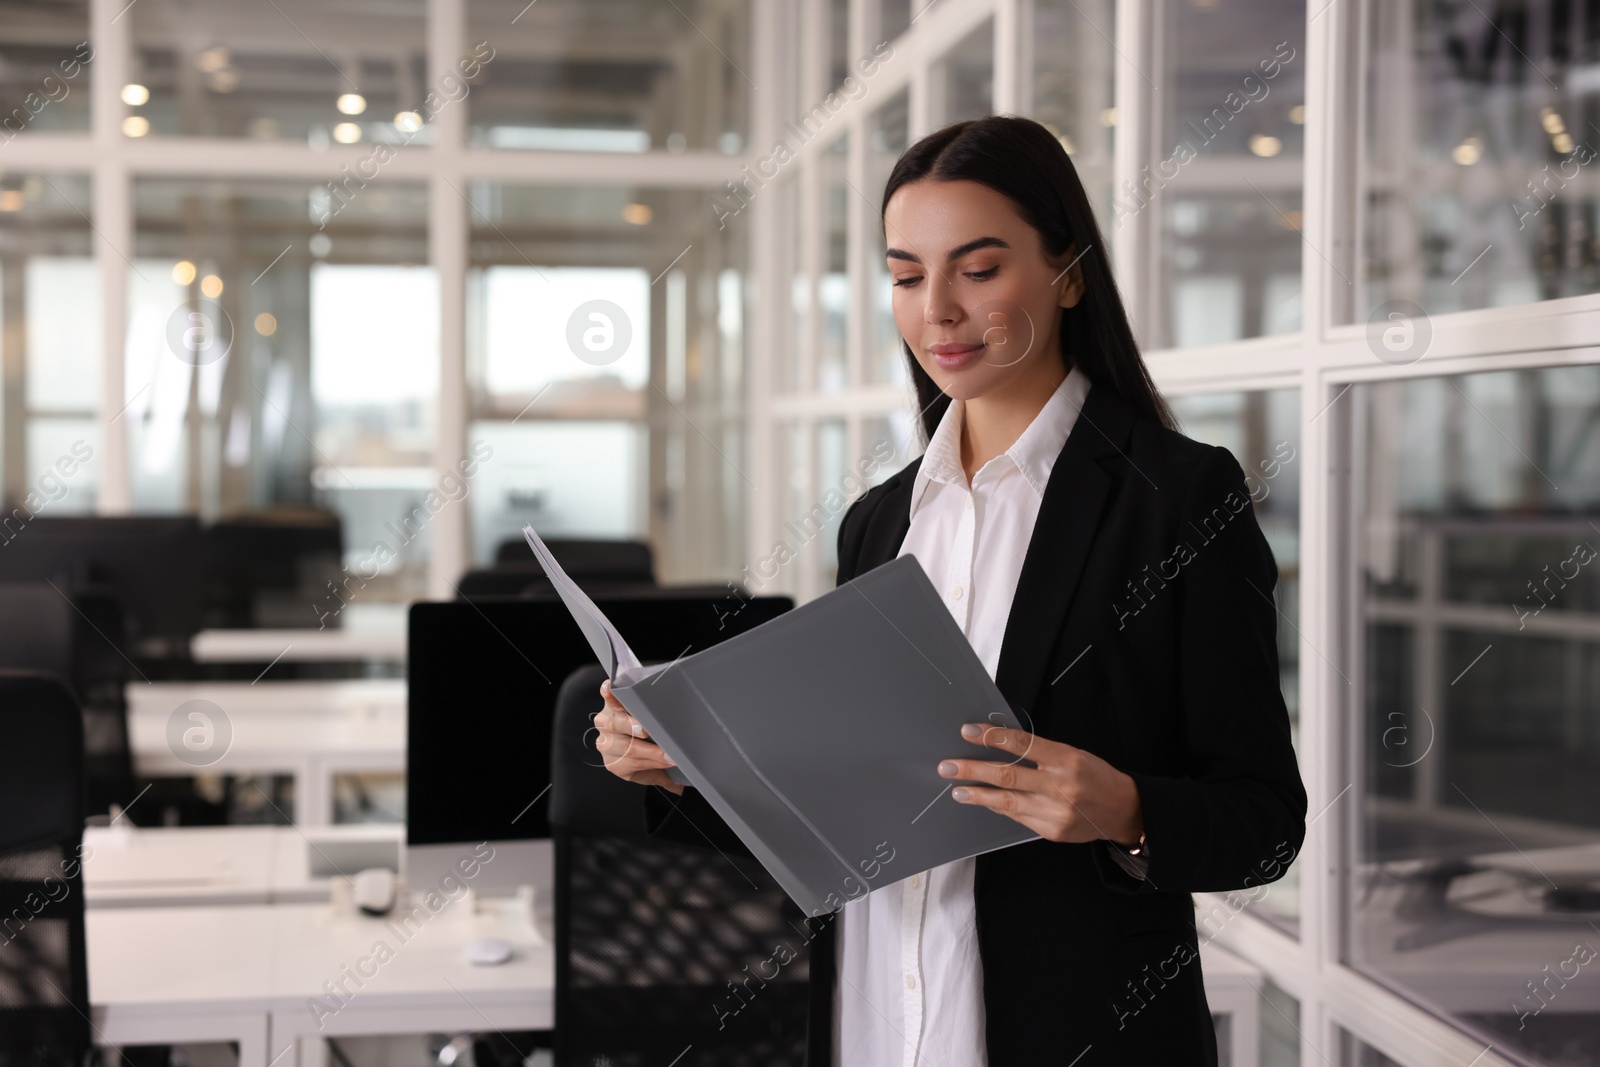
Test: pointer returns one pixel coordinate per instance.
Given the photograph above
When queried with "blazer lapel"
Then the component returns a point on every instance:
(1069, 517)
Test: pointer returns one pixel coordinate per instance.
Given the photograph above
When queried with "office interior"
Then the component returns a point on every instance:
(306, 309)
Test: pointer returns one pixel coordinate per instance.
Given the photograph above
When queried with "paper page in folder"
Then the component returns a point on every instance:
(609, 647)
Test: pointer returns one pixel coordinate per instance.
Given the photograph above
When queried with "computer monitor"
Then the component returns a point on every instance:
(272, 568)
(149, 564)
(482, 678)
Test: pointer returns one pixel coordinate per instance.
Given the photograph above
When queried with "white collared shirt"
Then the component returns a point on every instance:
(910, 987)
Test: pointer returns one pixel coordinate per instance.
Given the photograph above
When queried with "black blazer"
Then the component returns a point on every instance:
(1143, 629)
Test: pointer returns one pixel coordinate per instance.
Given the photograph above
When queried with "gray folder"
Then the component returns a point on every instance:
(816, 735)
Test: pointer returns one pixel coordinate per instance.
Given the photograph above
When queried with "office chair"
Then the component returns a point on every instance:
(44, 970)
(662, 950)
(78, 636)
(617, 567)
(619, 561)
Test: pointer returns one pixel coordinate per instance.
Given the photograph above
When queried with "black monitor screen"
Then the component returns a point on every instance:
(152, 565)
(483, 677)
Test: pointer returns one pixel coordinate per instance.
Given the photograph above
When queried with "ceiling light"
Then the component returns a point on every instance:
(211, 286)
(1468, 152)
(408, 122)
(347, 132)
(638, 214)
(135, 126)
(133, 95)
(212, 60)
(352, 104)
(183, 272)
(1265, 145)
(266, 324)
(11, 199)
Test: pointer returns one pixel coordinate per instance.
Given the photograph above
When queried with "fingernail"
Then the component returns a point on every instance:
(972, 730)
(947, 768)
(671, 762)
(958, 793)
(636, 730)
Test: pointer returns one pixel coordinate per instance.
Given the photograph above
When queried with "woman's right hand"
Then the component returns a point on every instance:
(625, 747)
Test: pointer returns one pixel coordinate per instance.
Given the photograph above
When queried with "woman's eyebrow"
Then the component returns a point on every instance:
(955, 253)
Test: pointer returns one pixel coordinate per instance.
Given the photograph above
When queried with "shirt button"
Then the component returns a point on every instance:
(911, 981)
(969, 503)
(955, 594)
(916, 880)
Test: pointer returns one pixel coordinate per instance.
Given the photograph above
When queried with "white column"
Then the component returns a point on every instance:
(1132, 233)
(447, 251)
(113, 247)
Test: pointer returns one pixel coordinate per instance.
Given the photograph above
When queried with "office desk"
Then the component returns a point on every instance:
(255, 974)
(312, 730)
(298, 646)
(367, 632)
(133, 867)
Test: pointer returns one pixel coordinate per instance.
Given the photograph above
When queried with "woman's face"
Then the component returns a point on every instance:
(976, 295)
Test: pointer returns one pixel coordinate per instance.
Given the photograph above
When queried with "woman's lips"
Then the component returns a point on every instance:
(951, 356)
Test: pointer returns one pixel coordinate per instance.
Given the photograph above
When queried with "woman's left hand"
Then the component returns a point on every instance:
(1071, 795)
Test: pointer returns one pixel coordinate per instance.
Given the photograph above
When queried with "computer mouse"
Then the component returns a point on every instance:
(373, 890)
(488, 951)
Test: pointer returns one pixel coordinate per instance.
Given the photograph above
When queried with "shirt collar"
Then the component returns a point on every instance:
(1034, 452)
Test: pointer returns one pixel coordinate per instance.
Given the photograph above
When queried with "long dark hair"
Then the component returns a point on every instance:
(1022, 160)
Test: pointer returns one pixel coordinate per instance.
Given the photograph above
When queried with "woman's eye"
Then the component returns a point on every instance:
(906, 282)
(982, 275)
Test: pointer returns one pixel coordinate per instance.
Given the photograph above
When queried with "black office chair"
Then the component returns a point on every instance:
(78, 636)
(629, 561)
(613, 567)
(660, 947)
(44, 970)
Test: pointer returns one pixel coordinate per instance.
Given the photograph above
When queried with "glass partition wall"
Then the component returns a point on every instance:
(629, 256)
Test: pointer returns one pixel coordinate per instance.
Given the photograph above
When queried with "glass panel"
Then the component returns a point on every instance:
(569, 478)
(797, 306)
(1480, 119)
(266, 366)
(1073, 70)
(1280, 1027)
(296, 70)
(1476, 866)
(1227, 183)
(895, 16)
(832, 499)
(46, 67)
(49, 344)
(624, 304)
(611, 75)
(962, 83)
(888, 443)
(1262, 430)
(838, 41)
(833, 290)
(888, 131)
(1355, 1052)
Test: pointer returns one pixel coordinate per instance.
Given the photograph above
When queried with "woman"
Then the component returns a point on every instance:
(1111, 576)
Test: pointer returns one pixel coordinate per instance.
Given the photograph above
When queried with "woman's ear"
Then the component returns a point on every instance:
(1069, 281)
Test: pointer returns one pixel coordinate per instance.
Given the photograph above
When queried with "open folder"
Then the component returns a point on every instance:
(816, 735)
